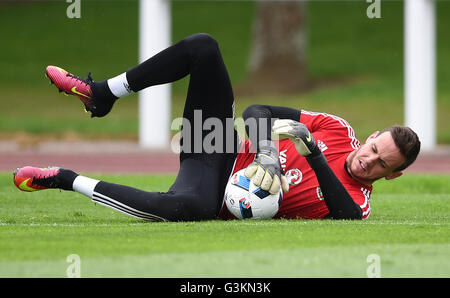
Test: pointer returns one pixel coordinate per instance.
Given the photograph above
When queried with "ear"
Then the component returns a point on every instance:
(373, 136)
(393, 175)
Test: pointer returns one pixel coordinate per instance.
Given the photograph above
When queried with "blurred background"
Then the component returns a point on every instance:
(335, 59)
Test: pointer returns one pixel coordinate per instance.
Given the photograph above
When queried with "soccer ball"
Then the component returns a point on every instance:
(246, 200)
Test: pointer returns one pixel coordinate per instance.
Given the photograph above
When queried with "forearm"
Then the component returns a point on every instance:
(339, 202)
(259, 119)
(265, 170)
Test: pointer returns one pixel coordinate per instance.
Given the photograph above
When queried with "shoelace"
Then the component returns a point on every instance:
(87, 81)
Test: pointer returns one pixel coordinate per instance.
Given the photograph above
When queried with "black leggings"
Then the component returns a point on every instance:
(198, 190)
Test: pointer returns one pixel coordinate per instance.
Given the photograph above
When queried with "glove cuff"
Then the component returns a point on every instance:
(267, 147)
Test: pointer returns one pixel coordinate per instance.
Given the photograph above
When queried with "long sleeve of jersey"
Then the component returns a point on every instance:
(263, 117)
(339, 202)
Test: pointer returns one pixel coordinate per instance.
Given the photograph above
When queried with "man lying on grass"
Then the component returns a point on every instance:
(316, 159)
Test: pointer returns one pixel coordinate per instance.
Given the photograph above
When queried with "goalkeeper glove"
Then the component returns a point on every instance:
(298, 133)
(265, 169)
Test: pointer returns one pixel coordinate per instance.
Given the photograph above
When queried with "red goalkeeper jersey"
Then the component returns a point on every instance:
(336, 139)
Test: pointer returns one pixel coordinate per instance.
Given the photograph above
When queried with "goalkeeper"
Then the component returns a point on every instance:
(314, 157)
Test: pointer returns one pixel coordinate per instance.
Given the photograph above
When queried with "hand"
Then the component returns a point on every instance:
(297, 132)
(265, 169)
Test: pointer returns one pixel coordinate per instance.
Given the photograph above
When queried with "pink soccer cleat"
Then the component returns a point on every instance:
(33, 179)
(72, 85)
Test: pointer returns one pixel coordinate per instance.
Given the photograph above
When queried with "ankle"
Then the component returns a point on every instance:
(101, 92)
(119, 85)
(65, 178)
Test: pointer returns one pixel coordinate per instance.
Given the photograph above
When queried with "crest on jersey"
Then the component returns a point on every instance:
(294, 176)
(319, 193)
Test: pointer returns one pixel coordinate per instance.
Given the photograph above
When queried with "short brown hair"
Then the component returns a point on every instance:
(407, 142)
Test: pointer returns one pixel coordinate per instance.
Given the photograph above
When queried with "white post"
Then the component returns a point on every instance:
(154, 102)
(420, 70)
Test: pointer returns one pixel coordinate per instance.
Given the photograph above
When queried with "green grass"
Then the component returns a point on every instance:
(359, 60)
(408, 228)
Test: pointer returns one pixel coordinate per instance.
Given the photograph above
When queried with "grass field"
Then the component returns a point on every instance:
(408, 229)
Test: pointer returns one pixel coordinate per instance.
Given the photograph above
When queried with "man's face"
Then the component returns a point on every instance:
(377, 158)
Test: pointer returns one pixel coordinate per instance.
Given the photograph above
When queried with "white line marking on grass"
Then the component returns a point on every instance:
(242, 223)
(67, 225)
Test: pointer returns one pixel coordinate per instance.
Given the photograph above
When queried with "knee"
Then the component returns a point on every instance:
(202, 45)
(203, 40)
